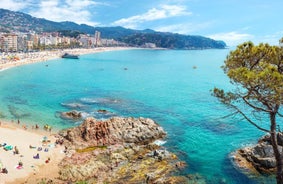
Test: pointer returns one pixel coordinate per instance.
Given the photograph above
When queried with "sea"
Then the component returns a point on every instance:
(172, 87)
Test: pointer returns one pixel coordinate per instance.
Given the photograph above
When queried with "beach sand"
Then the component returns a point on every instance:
(41, 56)
(32, 168)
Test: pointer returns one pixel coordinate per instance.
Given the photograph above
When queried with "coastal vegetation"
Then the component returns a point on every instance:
(256, 71)
(172, 41)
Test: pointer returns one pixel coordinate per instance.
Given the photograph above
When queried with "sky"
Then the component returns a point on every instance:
(233, 21)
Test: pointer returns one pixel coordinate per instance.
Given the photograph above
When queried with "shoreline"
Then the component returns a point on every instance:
(29, 143)
(16, 59)
(16, 135)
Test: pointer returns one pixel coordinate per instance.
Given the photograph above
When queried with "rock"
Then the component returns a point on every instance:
(118, 150)
(71, 115)
(258, 158)
(196, 178)
(181, 165)
(114, 131)
(103, 111)
(280, 138)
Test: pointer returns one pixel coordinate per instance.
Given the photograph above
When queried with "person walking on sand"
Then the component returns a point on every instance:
(16, 150)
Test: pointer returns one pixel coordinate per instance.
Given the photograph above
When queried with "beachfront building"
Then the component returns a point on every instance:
(85, 41)
(97, 39)
(9, 43)
(54, 40)
(29, 45)
(22, 38)
(149, 45)
(44, 40)
(66, 40)
(112, 43)
(34, 38)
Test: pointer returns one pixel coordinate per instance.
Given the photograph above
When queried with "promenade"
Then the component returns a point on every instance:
(8, 60)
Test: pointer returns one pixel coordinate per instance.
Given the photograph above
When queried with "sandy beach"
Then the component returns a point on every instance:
(15, 59)
(29, 143)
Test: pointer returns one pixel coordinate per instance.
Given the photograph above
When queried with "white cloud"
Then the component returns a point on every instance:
(184, 28)
(70, 10)
(272, 39)
(164, 11)
(14, 5)
(232, 38)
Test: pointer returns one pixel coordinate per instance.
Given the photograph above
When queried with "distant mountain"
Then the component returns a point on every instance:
(11, 21)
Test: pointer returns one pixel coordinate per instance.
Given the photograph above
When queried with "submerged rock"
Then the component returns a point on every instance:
(102, 111)
(71, 115)
(73, 105)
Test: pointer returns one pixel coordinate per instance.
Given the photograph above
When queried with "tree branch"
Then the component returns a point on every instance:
(262, 100)
(248, 119)
(255, 107)
(229, 115)
(279, 114)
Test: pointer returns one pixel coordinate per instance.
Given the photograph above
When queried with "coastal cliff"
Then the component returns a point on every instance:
(118, 150)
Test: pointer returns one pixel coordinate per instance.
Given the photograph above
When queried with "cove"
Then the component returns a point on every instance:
(171, 87)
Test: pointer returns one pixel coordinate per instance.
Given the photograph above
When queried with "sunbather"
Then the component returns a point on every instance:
(36, 156)
(4, 170)
(32, 147)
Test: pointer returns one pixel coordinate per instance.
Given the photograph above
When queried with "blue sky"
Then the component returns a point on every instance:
(233, 21)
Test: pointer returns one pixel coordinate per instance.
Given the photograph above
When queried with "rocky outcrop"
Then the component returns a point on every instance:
(71, 115)
(118, 150)
(103, 111)
(115, 130)
(259, 158)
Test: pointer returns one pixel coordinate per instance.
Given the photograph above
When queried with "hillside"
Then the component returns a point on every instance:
(11, 21)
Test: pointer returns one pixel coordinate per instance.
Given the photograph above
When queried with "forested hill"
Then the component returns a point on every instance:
(173, 41)
(11, 21)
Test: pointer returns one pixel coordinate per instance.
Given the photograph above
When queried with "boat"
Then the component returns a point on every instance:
(70, 56)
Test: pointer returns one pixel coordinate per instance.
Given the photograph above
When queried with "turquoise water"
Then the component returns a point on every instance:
(171, 87)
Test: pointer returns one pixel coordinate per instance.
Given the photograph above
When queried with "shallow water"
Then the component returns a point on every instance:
(171, 87)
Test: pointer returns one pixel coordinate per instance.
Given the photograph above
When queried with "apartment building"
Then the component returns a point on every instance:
(9, 43)
(97, 40)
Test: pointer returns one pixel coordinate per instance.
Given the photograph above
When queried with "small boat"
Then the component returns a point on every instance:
(70, 56)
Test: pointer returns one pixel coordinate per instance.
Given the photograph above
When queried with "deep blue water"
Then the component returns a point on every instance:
(171, 87)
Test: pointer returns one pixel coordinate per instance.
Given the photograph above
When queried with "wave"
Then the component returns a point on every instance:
(88, 100)
(159, 142)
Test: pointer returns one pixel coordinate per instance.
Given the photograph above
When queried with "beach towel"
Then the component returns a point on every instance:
(8, 147)
(19, 167)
